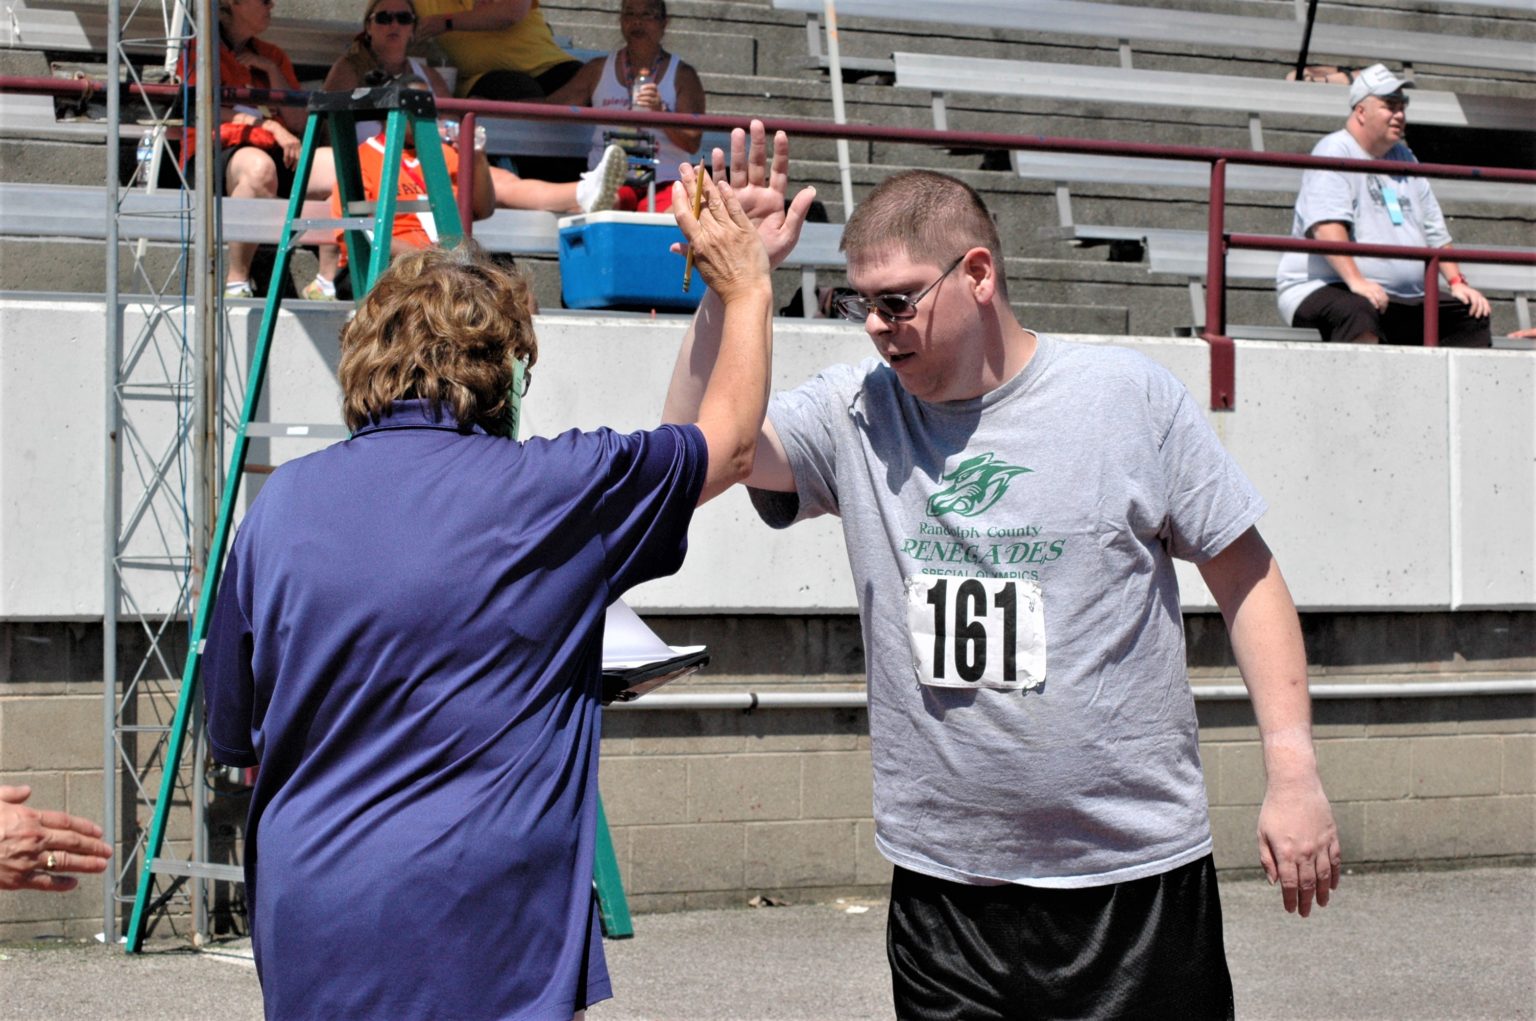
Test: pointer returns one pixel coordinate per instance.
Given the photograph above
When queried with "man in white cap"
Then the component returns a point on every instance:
(1367, 300)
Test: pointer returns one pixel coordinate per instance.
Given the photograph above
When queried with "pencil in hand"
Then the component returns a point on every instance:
(698, 204)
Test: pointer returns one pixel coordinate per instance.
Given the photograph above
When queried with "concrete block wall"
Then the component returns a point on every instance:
(708, 808)
(711, 808)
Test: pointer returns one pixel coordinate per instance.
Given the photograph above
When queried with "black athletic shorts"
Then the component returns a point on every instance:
(1148, 948)
(1338, 314)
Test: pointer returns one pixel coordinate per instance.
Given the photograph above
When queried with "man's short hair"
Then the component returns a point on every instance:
(442, 325)
(929, 216)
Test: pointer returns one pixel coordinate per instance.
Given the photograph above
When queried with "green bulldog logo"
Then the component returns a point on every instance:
(974, 486)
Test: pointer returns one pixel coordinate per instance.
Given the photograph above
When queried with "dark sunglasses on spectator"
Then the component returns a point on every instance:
(395, 17)
(893, 308)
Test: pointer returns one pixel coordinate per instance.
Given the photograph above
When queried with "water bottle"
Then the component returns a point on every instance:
(146, 155)
(642, 78)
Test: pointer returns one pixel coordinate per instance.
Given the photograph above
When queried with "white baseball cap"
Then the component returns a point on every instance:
(1375, 80)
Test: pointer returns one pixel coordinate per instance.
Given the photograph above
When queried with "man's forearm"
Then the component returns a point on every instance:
(1270, 654)
(1266, 642)
(1344, 265)
(697, 359)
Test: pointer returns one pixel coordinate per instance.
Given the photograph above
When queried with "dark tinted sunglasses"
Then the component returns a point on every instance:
(893, 308)
(394, 18)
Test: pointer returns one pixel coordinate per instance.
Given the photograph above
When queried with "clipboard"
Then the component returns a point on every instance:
(637, 661)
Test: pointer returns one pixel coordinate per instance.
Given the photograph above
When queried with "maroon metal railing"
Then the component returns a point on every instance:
(1223, 358)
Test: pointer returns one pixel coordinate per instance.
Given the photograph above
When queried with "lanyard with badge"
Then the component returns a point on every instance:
(1392, 202)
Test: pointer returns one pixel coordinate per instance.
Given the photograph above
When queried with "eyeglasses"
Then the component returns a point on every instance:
(646, 15)
(893, 308)
(394, 18)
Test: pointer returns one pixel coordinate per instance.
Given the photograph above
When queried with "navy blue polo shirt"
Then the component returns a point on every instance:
(408, 640)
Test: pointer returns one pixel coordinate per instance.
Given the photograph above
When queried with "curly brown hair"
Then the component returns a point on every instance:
(443, 325)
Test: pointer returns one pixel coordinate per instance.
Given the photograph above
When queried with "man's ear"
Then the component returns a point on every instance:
(980, 272)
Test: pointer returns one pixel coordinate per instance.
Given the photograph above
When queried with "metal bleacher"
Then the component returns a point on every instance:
(939, 74)
(78, 212)
(1129, 24)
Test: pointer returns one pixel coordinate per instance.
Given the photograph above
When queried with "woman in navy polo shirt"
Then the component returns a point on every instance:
(408, 642)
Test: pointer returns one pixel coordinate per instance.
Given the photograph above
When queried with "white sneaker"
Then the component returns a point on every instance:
(599, 187)
(320, 289)
(239, 289)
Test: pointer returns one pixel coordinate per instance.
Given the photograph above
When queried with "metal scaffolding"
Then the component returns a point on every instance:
(161, 440)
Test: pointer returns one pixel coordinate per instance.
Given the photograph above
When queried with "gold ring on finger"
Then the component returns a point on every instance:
(51, 862)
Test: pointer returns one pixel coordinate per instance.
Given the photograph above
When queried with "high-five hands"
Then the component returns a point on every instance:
(722, 240)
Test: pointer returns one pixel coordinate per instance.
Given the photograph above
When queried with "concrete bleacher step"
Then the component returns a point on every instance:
(754, 62)
(1052, 318)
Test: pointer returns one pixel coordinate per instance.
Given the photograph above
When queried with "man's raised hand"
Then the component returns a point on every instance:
(762, 187)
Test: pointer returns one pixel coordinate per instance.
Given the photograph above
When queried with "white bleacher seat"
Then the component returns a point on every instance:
(1183, 253)
(1359, 44)
(82, 28)
(80, 211)
(1066, 169)
(1117, 86)
(61, 26)
(1133, 170)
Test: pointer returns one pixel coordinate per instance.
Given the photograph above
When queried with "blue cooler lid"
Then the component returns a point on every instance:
(615, 216)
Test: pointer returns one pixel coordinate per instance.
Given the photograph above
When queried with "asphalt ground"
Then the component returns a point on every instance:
(1404, 945)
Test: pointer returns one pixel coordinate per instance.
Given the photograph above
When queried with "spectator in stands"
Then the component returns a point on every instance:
(412, 231)
(1370, 300)
(668, 84)
(381, 51)
(1012, 505)
(408, 641)
(502, 49)
(258, 145)
(36, 845)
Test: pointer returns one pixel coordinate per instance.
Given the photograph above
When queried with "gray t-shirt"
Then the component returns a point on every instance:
(1365, 202)
(1029, 706)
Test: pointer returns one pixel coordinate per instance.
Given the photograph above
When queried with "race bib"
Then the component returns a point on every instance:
(976, 632)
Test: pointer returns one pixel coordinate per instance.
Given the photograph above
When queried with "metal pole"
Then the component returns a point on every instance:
(467, 178)
(1432, 302)
(111, 360)
(839, 114)
(1216, 253)
(1306, 39)
(753, 700)
(1222, 352)
(207, 396)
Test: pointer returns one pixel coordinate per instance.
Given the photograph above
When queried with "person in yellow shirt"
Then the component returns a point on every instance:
(503, 49)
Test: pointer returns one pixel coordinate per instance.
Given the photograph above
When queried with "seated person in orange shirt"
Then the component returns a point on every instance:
(414, 230)
(258, 147)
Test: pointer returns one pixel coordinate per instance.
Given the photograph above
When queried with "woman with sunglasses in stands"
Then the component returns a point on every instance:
(381, 51)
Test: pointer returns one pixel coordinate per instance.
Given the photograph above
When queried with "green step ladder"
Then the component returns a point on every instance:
(401, 106)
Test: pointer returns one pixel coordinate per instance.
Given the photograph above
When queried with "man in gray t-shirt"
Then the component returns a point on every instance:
(1012, 504)
(1371, 300)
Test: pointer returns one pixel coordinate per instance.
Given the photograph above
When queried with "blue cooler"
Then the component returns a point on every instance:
(622, 260)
